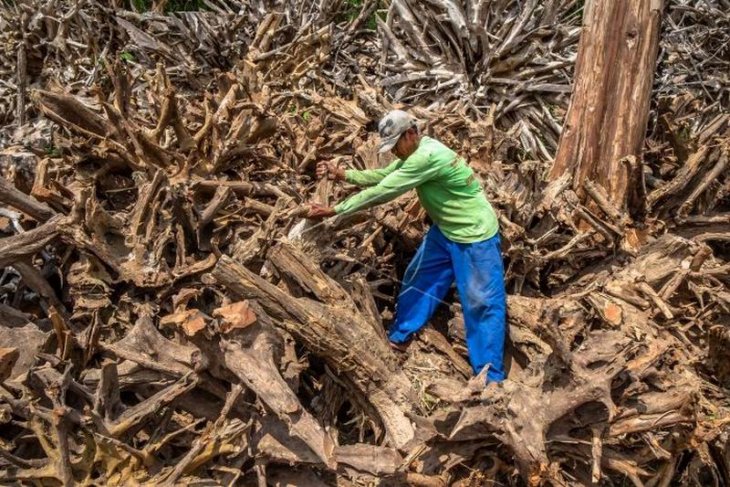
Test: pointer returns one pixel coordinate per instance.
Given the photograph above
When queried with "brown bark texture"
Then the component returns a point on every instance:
(168, 317)
(609, 108)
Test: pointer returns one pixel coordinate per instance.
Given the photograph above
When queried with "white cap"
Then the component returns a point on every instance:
(392, 126)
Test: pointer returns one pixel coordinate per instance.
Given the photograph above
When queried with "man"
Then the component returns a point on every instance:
(463, 243)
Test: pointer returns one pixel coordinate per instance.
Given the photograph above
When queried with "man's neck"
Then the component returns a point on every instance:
(415, 146)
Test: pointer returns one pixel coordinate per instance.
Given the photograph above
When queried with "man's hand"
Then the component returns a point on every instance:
(331, 170)
(319, 212)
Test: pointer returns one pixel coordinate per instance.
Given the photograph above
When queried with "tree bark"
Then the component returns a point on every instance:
(10, 195)
(609, 109)
(335, 332)
(18, 246)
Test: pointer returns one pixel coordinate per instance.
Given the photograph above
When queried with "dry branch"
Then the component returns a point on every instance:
(168, 317)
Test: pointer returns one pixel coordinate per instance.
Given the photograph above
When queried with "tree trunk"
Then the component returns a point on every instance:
(608, 112)
(336, 332)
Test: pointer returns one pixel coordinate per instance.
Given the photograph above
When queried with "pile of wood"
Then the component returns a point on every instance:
(516, 58)
(169, 317)
(467, 56)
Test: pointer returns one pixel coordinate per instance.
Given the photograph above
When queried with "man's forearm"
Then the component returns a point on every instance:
(370, 177)
(367, 198)
(363, 178)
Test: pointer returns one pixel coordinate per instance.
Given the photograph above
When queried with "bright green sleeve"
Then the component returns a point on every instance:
(415, 171)
(369, 177)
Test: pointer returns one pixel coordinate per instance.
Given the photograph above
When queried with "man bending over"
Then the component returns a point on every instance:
(462, 245)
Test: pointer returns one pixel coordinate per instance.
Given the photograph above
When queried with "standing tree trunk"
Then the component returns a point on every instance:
(608, 113)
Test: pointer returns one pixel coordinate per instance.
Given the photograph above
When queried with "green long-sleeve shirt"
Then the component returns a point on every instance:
(447, 189)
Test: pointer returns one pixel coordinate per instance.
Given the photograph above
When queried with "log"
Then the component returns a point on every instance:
(11, 196)
(254, 363)
(341, 337)
(609, 108)
(14, 248)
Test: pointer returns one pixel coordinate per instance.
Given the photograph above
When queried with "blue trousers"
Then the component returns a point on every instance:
(479, 274)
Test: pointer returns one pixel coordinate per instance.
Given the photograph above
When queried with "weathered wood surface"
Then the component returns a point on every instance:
(169, 318)
(609, 107)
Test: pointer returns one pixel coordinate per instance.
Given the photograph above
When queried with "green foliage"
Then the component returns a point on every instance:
(142, 5)
(305, 115)
(126, 56)
(52, 151)
(353, 9)
(372, 23)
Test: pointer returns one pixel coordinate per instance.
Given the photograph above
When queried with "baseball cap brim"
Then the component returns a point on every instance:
(389, 143)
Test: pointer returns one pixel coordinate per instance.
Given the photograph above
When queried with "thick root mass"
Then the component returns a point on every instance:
(168, 317)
